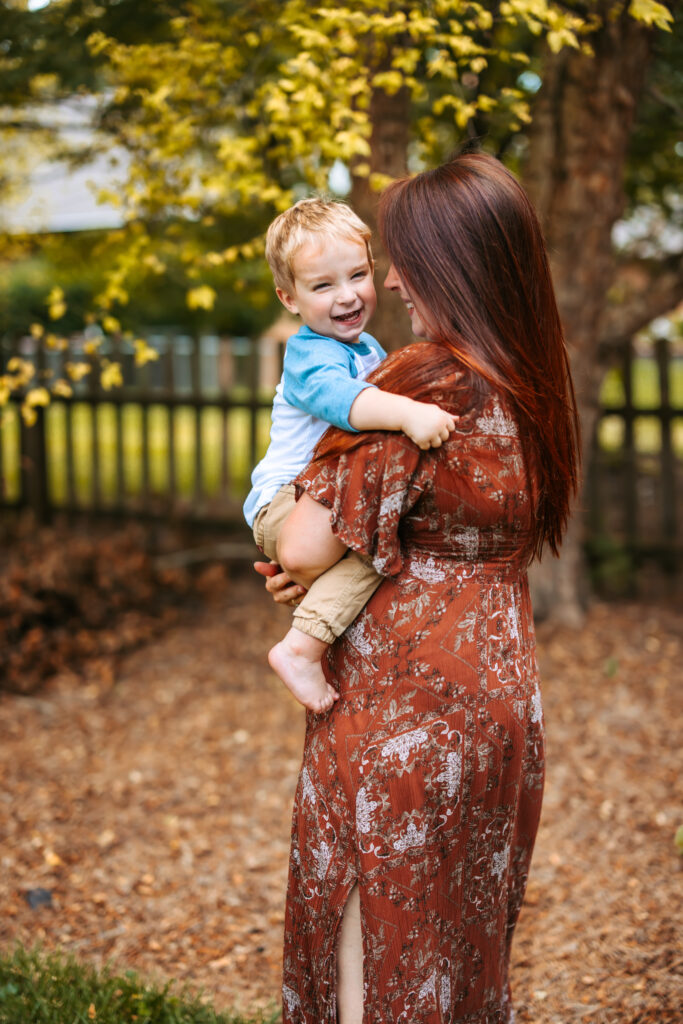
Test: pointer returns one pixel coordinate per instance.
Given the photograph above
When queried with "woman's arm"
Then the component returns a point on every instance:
(307, 546)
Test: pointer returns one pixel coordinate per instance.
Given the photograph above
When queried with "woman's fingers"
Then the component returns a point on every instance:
(267, 568)
(279, 585)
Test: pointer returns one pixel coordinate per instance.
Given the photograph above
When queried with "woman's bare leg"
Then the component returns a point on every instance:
(350, 963)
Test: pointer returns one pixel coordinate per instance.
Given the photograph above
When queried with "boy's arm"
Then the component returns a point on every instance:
(427, 425)
(318, 380)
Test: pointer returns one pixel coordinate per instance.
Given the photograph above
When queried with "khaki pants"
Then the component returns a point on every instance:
(335, 598)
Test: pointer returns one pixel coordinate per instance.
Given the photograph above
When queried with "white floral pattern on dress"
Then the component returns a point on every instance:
(364, 809)
(496, 422)
(412, 836)
(308, 788)
(404, 745)
(427, 570)
(358, 638)
(452, 773)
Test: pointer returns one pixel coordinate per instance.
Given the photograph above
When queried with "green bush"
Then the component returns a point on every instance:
(51, 988)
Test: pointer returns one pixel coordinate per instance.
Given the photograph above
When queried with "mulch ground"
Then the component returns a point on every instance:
(152, 803)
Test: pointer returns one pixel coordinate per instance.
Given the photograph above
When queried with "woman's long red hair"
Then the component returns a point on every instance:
(466, 243)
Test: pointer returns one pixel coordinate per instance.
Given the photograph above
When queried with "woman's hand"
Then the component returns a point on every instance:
(279, 585)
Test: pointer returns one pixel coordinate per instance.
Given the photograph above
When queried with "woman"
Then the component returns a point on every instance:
(420, 791)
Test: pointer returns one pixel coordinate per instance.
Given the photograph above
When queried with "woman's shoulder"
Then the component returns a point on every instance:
(427, 372)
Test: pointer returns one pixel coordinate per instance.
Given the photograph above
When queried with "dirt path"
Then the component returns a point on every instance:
(156, 809)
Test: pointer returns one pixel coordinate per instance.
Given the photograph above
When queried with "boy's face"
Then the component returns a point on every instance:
(333, 289)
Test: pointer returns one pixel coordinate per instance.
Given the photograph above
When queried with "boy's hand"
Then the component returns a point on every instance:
(427, 425)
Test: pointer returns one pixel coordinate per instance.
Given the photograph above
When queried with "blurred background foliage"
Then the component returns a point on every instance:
(229, 111)
(213, 115)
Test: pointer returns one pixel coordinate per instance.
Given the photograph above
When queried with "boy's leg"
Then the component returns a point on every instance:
(336, 598)
(296, 659)
(270, 518)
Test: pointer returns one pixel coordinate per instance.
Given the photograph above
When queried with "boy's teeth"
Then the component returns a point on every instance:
(347, 316)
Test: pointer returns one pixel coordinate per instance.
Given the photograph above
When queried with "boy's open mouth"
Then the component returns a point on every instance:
(343, 317)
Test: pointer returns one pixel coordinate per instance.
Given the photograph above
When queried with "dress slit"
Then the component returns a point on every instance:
(353, 978)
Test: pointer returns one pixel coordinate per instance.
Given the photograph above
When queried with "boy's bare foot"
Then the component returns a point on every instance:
(296, 659)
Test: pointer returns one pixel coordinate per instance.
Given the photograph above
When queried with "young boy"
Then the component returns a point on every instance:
(320, 257)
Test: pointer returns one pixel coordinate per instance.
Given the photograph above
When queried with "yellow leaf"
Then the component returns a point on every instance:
(92, 1012)
(559, 39)
(62, 389)
(389, 81)
(651, 13)
(5, 391)
(28, 414)
(56, 343)
(379, 181)
(77, 371)
(97, 42)
(144, 353)
(37, 396)
(91, 346)
(111, 325)
(57, 310)
(37, 330)
(24, 370)
(56, 305)
(110, 376)
(202, 297)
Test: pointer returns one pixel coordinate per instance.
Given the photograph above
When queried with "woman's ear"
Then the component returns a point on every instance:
(287, 300)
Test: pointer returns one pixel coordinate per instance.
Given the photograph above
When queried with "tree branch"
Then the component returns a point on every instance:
(642, 291)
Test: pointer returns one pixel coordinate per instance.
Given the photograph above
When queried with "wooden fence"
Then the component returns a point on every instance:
(179, 439)
(634, 481)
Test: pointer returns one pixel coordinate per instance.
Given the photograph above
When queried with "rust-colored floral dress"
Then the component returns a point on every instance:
(423, 783)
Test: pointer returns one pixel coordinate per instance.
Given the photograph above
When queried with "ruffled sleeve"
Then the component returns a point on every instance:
(368, 491)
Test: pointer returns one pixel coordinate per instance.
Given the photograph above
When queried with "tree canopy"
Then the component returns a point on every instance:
(231, 110)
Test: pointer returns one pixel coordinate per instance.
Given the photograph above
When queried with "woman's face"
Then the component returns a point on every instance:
(422, 328)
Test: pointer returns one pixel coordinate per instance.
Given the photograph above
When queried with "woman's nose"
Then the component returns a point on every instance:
(392, 281)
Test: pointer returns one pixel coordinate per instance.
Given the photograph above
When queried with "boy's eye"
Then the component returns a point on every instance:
(359, 273)
(319, 287)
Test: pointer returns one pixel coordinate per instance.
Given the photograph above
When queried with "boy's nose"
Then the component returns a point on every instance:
(345, 293)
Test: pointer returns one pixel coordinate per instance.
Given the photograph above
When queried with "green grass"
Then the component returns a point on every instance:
(40, 988)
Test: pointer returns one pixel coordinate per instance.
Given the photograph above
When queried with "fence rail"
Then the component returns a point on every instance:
(179, 439)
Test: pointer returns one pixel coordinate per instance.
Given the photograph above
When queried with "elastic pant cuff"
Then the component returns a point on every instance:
(316, 629)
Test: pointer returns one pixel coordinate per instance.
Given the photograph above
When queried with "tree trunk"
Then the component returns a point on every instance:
(574, 174)
(390, 116)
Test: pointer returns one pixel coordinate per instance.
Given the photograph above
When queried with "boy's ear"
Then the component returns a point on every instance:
(287, 301)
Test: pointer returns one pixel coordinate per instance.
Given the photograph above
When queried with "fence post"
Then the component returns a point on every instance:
(34, 484)
(668, 463)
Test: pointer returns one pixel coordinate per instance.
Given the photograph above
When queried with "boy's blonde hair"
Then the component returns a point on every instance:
(309, 218)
